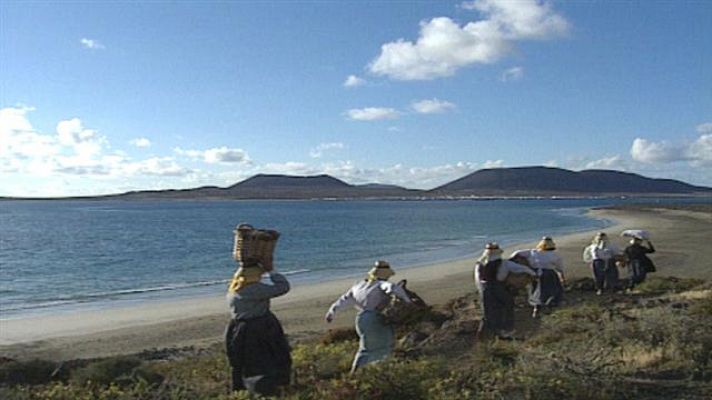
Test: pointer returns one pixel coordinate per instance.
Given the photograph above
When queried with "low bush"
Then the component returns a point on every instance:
(106, 371)
(26, 373)
(663, 284)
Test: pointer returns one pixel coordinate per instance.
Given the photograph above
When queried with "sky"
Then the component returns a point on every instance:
(107, 97)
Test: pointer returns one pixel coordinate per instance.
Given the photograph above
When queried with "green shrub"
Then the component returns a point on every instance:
(339, 335)
(315, 362)
(663, 284)
(106, 371)
(31, 372)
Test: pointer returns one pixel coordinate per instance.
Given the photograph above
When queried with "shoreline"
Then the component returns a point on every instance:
(137, 297)
(200, 322)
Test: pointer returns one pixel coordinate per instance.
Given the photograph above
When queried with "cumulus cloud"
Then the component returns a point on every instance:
(512, 74)
(353, 81)
(140, 142)
(704, 128)
(157, 166)
(613, 162)
(700, 151)
(372, 113)
(432, 106)
(697, 152)
(493, 164)
(218, 155)
(319, 150)
(73, 150)
(647, 151)
(92, 44)
(443, 46)
(290, 168)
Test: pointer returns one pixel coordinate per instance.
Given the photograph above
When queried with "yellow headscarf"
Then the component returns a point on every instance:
(381, 270)
(546, 244)
(245, 276)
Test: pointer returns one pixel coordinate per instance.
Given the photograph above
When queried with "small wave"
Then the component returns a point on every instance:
(45, 304)
(296, 271)
(84, 298)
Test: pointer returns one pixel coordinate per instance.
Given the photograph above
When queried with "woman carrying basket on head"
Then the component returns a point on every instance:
(370, 296)
(257, 350)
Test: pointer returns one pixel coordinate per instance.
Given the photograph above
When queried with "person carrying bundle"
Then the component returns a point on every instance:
(548, 288)
(602, 254)
(638, 260)
(497, 302)
(257, 350)
(370, 296)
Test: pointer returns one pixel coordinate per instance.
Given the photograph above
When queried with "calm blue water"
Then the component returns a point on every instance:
(65, 255)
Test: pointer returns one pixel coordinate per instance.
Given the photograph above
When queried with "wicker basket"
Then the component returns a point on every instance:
(257, 243)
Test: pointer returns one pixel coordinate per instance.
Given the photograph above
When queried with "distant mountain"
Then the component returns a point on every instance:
(544, 181)
(277, 187)
(499, 182)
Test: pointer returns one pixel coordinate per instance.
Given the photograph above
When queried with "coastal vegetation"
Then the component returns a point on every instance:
(656, 343)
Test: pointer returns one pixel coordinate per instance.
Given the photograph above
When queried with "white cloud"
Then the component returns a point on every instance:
(73, 150)
(697, 152)
(433, 106)
(290, 168)
(512, 74)
(157, 166)
(646, 151)
(353, 81)
(140, 142)
(226, 155)
(493, 164)
(319, 150)
(613, 162)
(372, 113)
(700, 151)
(218, 155)
(551, 163)
(443, 46)
(92, 44)
(704, 128)
(523, 19)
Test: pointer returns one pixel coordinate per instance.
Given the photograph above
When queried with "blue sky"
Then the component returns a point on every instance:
(109, 97)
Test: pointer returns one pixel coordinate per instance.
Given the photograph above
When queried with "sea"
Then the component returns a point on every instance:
(68, 256)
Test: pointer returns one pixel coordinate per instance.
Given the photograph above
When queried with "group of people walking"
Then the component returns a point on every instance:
(258, 351)
(546, 269)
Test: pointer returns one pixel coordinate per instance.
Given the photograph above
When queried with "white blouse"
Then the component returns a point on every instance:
(369, 296)
(545, 260)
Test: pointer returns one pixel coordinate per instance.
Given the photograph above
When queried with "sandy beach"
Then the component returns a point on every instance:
(680, 237)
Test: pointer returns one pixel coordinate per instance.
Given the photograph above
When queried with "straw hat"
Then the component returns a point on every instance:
(491, 252)
(546, 244)
(381, 270)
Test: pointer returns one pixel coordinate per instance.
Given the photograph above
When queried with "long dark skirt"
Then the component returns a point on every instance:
(547, 290)
(605, 274)
(498, 308)
(638, 273)
(258, 353)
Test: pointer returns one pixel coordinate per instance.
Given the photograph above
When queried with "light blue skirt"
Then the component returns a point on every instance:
(376, 339)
